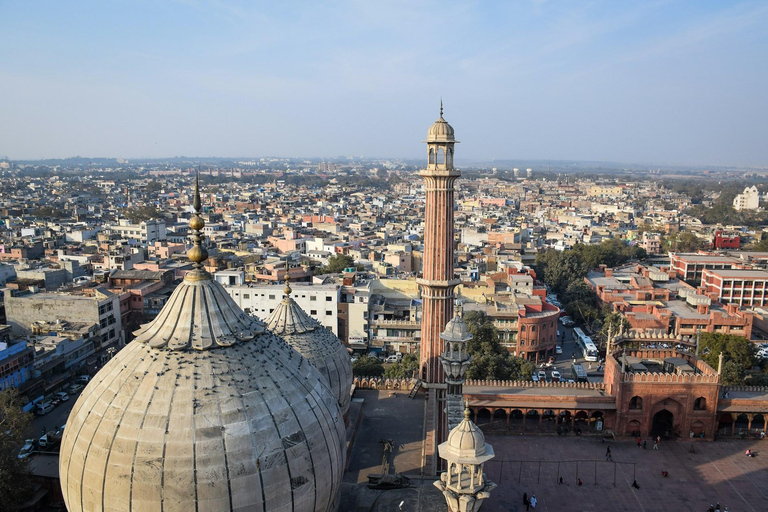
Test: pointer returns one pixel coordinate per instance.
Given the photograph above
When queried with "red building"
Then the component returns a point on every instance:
(726, 241)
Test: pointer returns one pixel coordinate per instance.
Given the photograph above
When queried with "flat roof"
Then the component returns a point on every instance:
(704, 257)
(761, 274)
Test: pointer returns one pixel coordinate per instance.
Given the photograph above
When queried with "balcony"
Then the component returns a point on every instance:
(396, 324)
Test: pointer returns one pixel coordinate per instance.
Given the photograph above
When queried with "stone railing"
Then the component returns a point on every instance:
(670, 378)
(531, 384)
(748, 389)
(383, 383)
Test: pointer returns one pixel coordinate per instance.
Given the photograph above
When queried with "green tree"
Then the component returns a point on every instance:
(737, 350)
(368, 366)
(403, 369)
(141, 213)
(337, 263)
(15, 483)
(566, 268)
(154, 186)
(490, 360)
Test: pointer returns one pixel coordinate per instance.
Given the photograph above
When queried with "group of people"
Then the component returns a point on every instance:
(716, 508)
(529, 502)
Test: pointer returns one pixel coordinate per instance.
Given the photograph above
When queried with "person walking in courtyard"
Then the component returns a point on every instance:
(525, 498)
(655, 444)
(608, 451)
(533, 501)
(561, 480)
(645, 445)
(639, 440)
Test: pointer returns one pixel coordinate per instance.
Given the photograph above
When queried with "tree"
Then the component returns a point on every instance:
(491, 361)
(15, 482)
(141, 213)
(153, 186)
(737, 350)
(403, 369)
(613, 323)
(337, 263)
(368, 366)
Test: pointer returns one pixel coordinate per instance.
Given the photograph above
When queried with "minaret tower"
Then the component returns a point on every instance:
(437, 282)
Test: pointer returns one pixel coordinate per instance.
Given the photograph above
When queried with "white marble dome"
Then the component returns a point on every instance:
(205, 411)
(440, 131)
(466, 443)
(319, 345)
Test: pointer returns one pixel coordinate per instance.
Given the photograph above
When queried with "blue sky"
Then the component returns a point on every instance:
(665, 82)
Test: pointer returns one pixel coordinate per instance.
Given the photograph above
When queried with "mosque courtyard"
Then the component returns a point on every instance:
(700, 474)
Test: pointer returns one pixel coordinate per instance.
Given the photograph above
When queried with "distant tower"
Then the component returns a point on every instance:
(437, 282)
(463, 483)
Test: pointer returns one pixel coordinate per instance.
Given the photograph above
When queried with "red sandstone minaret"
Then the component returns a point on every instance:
(437, 282)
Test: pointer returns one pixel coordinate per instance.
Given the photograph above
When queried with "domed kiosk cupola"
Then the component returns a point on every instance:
(465, 452)
(440, 141)
(206, 410)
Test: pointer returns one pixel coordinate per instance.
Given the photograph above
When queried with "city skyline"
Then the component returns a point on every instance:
(665, 82)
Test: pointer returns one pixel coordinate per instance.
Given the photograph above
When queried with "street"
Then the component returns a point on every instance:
(563, 361)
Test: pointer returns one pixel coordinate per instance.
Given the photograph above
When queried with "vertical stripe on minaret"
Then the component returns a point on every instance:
(437, 282)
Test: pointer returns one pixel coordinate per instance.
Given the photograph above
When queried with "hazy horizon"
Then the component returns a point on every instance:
(649, 83)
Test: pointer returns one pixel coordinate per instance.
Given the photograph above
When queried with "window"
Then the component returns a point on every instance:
(636, 403)
(328, 313)
(272, 297)
(328, 298)
(313, 312)
(312, 298)
(700, 404)
(246, 295)
(522, 328)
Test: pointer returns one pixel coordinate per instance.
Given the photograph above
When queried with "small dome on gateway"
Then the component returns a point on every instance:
(205, 410)
(319, 345)
(440, 131)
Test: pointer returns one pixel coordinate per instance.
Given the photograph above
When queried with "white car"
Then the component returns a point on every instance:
(558, 349)
(62, 396)
(26, 450)
(555, 376)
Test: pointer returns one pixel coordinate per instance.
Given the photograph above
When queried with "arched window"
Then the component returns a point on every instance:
(522, 328)
(431, 155)
(533, 328)
(636, 403)
(450, 156)
(440, 156)
(700, 404)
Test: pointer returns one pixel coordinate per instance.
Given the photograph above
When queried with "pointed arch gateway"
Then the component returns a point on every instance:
(665, 417)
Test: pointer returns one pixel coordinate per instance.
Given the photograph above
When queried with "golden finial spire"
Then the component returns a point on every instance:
(466, 410)
(197, 254)
(287, 288)
(441, 108)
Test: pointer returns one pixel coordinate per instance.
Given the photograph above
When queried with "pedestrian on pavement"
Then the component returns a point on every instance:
(525, 498)
(608, 451)
(639, 440)
(533, 501)
(580, 482)
(634, 484)
(561, 480)
(645, 444)
(655, 444)
(717, 507)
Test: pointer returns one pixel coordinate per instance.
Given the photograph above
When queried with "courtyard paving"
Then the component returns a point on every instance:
(700, 473)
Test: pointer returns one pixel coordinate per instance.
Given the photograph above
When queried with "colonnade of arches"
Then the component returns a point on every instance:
(510, 419)
(733, 423)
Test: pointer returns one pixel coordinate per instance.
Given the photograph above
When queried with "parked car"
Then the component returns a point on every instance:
(27, 449)
(76, 387)
(558, 349)
(534, 378)
(555, 376)
(567, 321)
(392, 359)
(62, 396)
(43, 409)
(542, 375)
(82, 379)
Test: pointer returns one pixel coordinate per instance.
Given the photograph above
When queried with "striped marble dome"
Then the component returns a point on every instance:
(319, 345)
(205, 411)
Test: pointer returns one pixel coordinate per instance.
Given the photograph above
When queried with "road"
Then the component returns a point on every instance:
(54, 419)
(563, 361)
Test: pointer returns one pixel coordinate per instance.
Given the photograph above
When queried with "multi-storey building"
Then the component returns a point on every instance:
(690, 266)
(146, 232)
(743, 286)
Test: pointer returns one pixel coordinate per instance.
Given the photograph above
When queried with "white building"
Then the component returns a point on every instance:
(747, 200)
(320, 301)
(146, 232)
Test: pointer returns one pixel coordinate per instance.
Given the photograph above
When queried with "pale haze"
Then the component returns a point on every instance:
(646, 82)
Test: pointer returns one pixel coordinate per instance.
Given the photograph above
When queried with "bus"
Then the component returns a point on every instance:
(578, 372)
(588, 349)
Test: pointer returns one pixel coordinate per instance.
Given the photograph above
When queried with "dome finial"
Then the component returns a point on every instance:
(287, 290)
(441, 107)
(466, 410)
(197, 254)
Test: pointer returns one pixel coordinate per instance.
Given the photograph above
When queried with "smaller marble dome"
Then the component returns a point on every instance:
(440, 131)
(456, 330)
(466, 444)
(319, 345)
